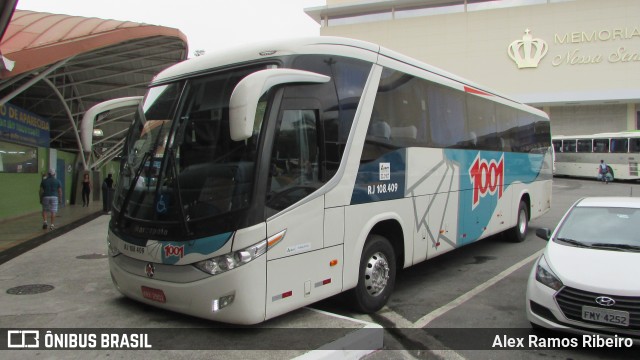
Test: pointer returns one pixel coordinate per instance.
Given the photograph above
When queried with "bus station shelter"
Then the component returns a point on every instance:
(53, 69)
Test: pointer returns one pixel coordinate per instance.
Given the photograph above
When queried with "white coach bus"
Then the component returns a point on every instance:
(262, 180)
(580, 155)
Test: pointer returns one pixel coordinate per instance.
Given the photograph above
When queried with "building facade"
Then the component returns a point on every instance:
(578, 60)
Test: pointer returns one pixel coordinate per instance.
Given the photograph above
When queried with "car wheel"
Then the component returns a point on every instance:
(519, 232)
(376, 277)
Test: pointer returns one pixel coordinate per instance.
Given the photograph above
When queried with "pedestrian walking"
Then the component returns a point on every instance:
(86, 190)
(50, 195)
(107, 185)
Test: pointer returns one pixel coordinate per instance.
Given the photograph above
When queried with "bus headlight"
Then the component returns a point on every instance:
(232, 260)
(112, 249)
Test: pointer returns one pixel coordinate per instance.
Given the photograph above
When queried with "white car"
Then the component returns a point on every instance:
(588, 278)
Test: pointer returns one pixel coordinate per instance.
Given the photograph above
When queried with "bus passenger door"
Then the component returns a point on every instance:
(300, 270)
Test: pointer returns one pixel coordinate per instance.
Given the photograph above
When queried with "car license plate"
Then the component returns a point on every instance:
(153, 294)
(605, 316)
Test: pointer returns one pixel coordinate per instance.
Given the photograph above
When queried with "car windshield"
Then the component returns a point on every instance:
(180, 165)
(612, 228)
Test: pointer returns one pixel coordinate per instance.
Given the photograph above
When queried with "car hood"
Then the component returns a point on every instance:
(601, 271)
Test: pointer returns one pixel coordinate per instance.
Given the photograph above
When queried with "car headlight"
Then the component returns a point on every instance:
(232, 260)
(545, 276)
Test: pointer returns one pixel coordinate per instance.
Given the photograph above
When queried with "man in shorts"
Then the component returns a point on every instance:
(51, 191)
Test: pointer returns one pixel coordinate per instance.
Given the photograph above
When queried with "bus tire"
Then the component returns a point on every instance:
(377, 275)
(519, 232)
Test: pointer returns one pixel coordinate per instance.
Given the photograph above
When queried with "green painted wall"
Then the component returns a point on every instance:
(19, 192)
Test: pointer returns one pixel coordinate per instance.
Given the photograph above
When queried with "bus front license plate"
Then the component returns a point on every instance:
(153, 294)
(605, 316)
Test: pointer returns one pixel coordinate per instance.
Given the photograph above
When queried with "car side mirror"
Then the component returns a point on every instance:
(245, 96)
(543, 233)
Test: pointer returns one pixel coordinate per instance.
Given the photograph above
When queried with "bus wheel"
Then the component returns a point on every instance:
(377, 275)
(519, 232)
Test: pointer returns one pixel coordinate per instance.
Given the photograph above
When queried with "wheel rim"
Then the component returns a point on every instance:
(522, 222)
(376, 274)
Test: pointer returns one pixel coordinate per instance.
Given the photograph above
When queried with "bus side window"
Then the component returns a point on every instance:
(584, 145)
(481, 118)
(447, 114)
(294, 169)
(569, 146)
(339, 101)
(377, 142)
(601, 145)
(399, 118)
(619, 145)
(507, 126)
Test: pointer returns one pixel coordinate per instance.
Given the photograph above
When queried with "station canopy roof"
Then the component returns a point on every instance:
(59, 66)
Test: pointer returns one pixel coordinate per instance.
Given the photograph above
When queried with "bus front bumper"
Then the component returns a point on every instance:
(236, 296)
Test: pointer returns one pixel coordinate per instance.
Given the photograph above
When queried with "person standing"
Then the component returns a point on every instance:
(51, 193)
(86, 190)
(107, 185)
(603, 172)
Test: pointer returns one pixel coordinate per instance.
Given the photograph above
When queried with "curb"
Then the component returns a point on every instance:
(357, 345)
(33, 243)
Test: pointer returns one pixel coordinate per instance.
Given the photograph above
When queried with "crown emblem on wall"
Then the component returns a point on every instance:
(528, 52)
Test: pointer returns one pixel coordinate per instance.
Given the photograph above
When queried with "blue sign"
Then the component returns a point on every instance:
(21, 126)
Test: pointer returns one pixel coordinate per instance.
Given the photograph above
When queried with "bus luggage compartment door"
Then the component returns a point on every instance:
(300, 280)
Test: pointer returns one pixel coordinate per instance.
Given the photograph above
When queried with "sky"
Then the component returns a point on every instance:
(210, 25)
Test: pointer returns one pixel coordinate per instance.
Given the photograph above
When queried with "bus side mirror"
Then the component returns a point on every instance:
(88, 120)
(543, 233)
(245, 96)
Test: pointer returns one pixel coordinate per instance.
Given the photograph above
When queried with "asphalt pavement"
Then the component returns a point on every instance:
(59, 281)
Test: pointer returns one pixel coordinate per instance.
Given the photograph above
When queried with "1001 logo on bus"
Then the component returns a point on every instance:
(487, 177)
(172, 250)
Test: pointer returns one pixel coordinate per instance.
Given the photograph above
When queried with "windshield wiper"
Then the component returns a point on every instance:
(574, 242)
(617, 246)
(132, 185)
(183, 215)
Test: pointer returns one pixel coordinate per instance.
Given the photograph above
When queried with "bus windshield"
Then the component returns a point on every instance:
(180, 168)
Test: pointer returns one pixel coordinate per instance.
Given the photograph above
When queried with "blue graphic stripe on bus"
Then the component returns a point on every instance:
(382, 179)
(484, 177)
(173, 251)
